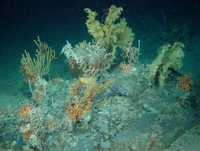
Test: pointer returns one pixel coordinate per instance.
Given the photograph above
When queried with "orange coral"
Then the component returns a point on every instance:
(85, 98)
(24, 112)
(75, 111)
(26, 135)
(185, 83)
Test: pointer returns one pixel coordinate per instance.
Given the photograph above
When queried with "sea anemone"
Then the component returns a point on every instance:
(185, 83)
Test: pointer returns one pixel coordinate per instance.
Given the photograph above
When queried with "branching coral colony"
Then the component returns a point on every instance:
(82, 94)
(109, 36)
(92, 60)
(169, 60)
(34, 69)
(113, 33)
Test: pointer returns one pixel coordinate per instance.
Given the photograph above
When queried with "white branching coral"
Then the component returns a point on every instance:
(89, 58)
(131, 55)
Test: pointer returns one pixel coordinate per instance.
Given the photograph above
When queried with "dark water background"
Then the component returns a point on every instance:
(58, 20)
(55, 21)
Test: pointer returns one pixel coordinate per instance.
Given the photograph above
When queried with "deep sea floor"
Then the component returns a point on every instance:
(131, 115)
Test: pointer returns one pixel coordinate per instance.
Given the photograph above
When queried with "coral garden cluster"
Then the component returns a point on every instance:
(107, 98)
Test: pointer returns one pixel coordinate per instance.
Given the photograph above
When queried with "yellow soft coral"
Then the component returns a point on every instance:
(113, 32)
(31, 67)
(169, 59)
